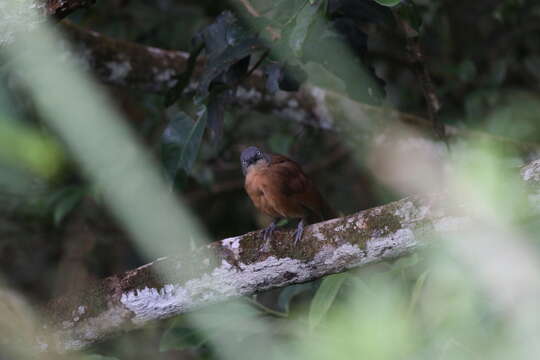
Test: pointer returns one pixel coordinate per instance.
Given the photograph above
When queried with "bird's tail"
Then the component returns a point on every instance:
(323, 211)
(327, 212)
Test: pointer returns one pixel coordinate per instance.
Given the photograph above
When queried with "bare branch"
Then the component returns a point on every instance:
(249, 8)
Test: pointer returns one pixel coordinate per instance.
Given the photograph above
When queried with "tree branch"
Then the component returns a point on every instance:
(417, 59)
(150, 69)
(238, 267)
(124, 63)
(59, 9)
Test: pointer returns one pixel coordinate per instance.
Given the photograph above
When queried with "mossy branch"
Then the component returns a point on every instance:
(237, 266)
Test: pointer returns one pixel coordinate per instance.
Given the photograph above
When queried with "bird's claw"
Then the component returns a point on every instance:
(267, 235)
(299, 232)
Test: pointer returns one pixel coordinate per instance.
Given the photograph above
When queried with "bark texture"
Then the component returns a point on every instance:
(150, 69)
(236, 266)
(59, 9)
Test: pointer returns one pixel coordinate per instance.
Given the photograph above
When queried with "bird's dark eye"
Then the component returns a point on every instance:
(258, 153)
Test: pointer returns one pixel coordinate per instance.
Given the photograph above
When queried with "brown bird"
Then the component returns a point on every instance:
(279, 188)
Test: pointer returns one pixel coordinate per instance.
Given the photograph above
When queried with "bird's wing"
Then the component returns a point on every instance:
(298, 188)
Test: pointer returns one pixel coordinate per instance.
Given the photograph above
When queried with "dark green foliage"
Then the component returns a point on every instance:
(228, 47)
(64, 201)
(484, 58)
(181, 141)
(320, 31)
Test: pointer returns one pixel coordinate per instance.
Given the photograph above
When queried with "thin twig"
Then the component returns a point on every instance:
(250, 9)
(417, 59)
(275, 34)
(258, 63)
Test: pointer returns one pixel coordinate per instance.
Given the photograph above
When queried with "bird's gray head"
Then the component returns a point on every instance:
(252, 155)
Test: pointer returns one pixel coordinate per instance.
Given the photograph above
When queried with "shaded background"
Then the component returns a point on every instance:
(55, 234)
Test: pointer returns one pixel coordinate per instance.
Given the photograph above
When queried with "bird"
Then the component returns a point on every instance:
(278, 187)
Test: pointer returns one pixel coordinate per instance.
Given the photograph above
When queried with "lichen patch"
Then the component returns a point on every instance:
(118, 70)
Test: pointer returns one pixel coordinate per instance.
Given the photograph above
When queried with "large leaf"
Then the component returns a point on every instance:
(216, 112)
(289, 293)
(181, 335)
(191, 149)
(181, 142)
(226, 43)
(212, 323)
(305, 18)
(324, 298)
(417, 291)
(341, 47)
(184, 79)
(221, 64)
(65, 200)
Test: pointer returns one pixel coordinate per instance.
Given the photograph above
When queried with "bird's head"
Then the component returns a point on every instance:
(253, 156)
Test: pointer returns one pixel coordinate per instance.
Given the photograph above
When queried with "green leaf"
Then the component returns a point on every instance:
(227, 46)
(181, 142)
(417, 291)
(193, 142)
(280, 143)
(180, 336)
(29, 149)
(221, 63)
(304, 19)
(68, 199)
(183, 80)
(213, 323)
(324, 298)
(289, 293)
(388, 3)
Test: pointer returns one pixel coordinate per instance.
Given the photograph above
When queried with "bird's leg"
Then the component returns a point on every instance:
(267, 234)
(299, 231)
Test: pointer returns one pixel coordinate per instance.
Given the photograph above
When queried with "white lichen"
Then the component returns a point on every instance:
(248, 96)
(320, 109)
(166, 76)
(91, 329)
(410, 212)
(118, 70)
(451, 223)
(229, 280)
(531, 171)
(233, 244)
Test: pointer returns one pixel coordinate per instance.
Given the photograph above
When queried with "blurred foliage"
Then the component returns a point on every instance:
(484, 57)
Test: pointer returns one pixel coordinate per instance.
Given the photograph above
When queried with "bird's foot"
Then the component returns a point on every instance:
(299, 232)
(267, 235)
